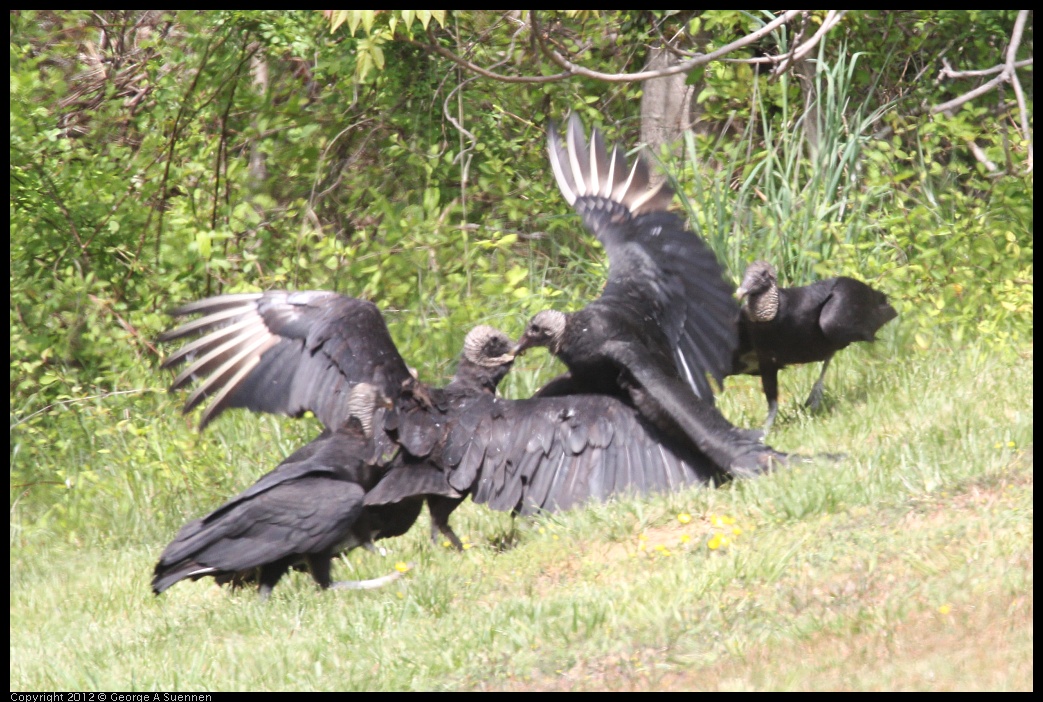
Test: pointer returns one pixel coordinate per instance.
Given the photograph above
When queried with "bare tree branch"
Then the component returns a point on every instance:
(1007, 73)
(968, 96)
(1012, 51)
(949, 72)
(982, 158)
(432, 45)
(830, 21)
(699, 60)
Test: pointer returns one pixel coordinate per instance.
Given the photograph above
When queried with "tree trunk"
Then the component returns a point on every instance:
(665, 106)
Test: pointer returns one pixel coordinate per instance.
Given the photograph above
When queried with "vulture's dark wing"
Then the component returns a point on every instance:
(854, 312)
(285, 353)
(310, 505)
(313, 515)
(340, 455)
(665, 398)
(552, 453)
(651, 255)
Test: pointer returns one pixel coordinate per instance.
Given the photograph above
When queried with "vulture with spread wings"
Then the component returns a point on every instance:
(666, 318)
(294, 352)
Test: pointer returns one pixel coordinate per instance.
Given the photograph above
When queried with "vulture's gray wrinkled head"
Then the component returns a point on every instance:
(486, 358)
(488, 346)
(761, 289)
(759, 277)
(363, 402)
(545, 329)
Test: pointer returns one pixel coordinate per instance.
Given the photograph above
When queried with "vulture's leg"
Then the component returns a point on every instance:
(817, 389)
(270, 575)
(440, 508)
(319, 565)
(770, 383)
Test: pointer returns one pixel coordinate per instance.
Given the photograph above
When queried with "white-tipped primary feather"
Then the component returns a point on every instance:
(595, 171)
(638, 202)
(219, 302)
(595, 174)
(601, 165)
(610, 178)
(246, 340)
(559, 173)
(207, 341)
(619, 194)
(219, 398)
(204, 321)
(257, 347)
(575, 137)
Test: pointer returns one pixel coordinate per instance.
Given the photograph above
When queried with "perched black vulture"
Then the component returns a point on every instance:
(785, 326)
(665, 319)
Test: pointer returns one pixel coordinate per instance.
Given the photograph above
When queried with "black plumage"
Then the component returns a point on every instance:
(665, 319)
(440, 445)
(286, 353)
(302, 513)
(549, 454)
(785, 326)
(312, 506)
(635, 414)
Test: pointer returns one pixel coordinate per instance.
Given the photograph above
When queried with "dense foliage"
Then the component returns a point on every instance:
(160, 157)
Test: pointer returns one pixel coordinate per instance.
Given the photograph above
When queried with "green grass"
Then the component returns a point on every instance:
(905, 565)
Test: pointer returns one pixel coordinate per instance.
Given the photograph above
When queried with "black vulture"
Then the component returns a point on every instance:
(311, 506)
(305, 511)
(784, 326)
(666, 318)
(293, 352)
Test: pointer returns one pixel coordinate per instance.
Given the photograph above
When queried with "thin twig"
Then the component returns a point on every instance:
(949, 72)
(830, 21)
(80, 399)
(571, 69)
(574, 69)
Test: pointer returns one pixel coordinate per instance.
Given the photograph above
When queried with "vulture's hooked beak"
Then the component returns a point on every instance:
(523, 343)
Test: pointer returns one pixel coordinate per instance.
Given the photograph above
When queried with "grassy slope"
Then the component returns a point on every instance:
(906, 565)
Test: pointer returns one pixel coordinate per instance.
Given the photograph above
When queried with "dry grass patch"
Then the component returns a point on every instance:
(933, 596)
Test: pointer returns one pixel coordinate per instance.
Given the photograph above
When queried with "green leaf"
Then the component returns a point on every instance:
(516, 275)
(203, 243)
(354, 20)
(337, 18)
(367, 20)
